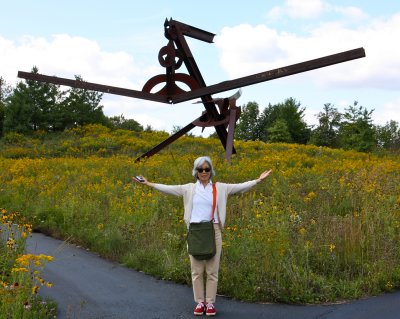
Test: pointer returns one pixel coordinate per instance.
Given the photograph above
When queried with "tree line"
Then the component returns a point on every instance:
(284, 122)
(33, 106)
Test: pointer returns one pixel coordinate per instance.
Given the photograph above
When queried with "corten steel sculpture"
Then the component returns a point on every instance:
(176, 53)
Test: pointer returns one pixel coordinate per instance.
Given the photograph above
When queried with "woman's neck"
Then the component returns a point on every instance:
(204, 183)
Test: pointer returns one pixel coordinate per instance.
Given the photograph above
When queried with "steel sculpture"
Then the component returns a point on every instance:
(176, 53)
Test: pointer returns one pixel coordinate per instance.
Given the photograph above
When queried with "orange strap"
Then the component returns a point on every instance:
(214, 200)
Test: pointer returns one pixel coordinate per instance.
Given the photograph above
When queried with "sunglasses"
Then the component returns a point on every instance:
(201, 170)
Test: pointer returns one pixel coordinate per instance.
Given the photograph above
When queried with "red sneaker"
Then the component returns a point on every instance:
(210, 310)
(200, 309)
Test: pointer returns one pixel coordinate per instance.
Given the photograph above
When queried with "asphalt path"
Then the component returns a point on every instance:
(87, 286)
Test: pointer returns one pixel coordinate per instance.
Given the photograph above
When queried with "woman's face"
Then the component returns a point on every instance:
(204, 172)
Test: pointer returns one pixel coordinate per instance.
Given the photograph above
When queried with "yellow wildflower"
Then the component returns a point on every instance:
(11, 243)
(310, 196)
(20, 269)
(35, 290)
(46, 257)
(302, 231)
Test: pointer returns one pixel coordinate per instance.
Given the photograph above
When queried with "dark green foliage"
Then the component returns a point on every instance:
(326, 133)
(279, 132)
(388, 136)
(120, 122)
(35, 106)
(282, 122)
(5, 91)
(247, 128)
(292, 113)
(357, 132)
(32, 107)
(81, 107)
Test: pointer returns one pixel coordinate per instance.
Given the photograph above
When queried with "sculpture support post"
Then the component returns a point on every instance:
(231, 132)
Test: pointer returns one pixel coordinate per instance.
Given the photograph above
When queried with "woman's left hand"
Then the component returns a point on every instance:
(264, 175)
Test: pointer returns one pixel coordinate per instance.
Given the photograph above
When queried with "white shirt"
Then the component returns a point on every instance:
(202, 204)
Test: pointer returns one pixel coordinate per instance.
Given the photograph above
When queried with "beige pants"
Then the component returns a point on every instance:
(210, 268)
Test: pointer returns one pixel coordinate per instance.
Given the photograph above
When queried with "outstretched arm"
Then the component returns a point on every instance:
(176, 190)
(244, 187)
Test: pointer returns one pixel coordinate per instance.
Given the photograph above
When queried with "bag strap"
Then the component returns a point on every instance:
(214, 200)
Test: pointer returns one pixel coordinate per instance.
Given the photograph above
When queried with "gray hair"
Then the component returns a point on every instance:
(199, 162)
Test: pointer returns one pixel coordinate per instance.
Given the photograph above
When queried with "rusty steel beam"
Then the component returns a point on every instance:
(231, 132)
(168, 141)
(270, 75)
(94, 87)
(191, 31)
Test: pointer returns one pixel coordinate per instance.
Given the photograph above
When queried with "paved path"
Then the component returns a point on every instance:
(87, 286)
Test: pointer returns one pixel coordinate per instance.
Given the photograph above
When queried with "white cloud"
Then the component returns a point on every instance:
(275, 13)
(352, 13)
(311, 9)
(246, 49)
(390, 111)
(304, 8)
(66, 56)
(146, 120)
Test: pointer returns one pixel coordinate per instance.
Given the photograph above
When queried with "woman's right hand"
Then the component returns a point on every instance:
(140, 179)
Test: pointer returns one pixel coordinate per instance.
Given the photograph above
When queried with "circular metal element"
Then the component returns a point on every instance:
(168, 57)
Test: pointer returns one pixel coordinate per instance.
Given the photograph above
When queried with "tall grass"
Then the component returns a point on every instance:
(324, 226)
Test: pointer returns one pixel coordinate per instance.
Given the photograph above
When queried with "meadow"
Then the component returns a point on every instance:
(323, 227)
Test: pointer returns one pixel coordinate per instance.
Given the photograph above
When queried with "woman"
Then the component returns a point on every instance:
(198, 201)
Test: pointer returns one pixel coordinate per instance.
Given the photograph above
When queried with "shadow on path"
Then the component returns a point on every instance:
(87, 286)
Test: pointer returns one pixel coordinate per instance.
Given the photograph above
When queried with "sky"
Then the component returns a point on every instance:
(117, 43)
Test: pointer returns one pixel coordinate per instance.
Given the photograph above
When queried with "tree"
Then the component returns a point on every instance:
(292, 113)
(35, 105)
(120, 122)
(388, 136)
(247, 127)
(279, 132)
(32, 106)
(5, 92)
(17, 112)
(326, 134)
(356, 130)
(81, 107)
